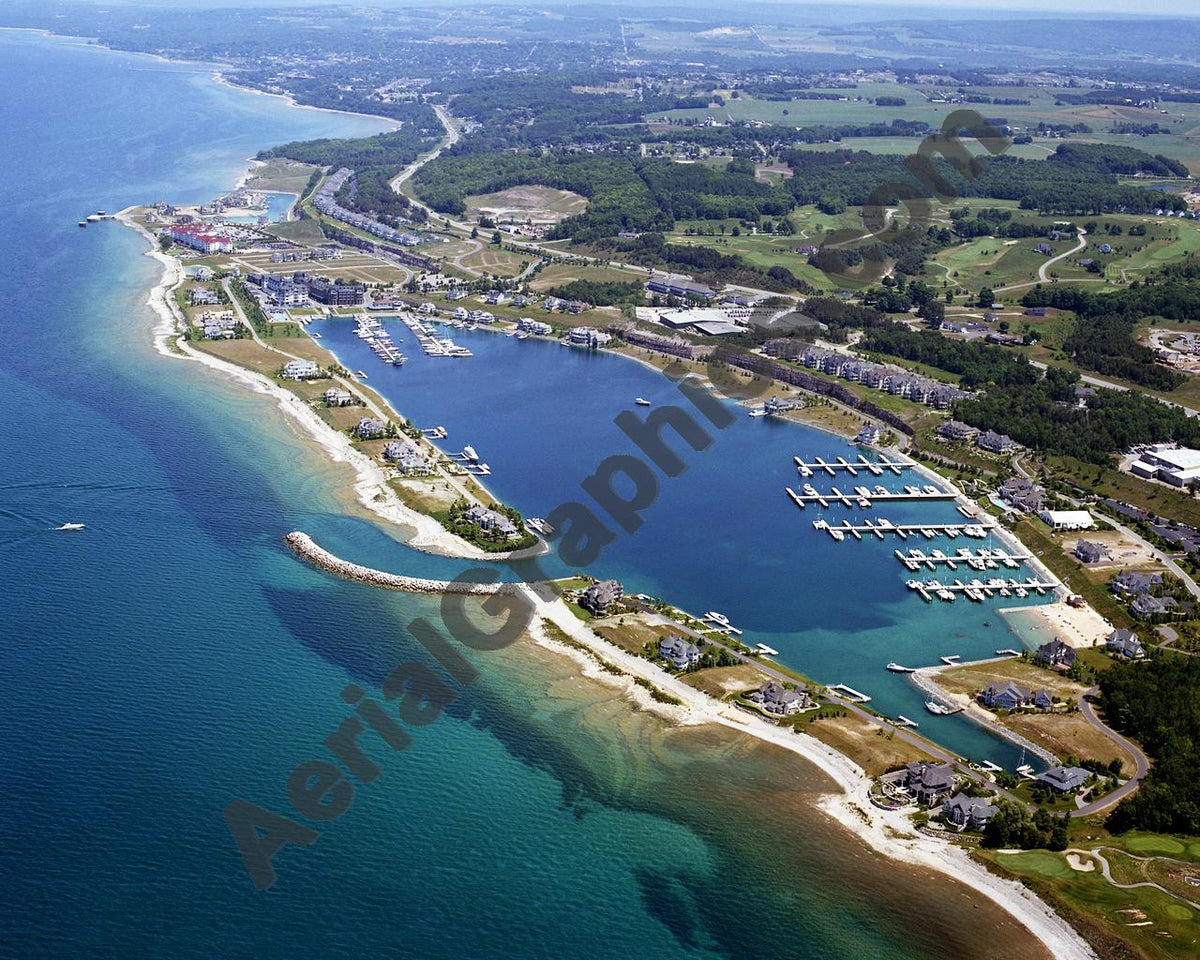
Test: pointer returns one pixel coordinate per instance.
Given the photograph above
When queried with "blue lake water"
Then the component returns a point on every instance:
(723, 535)
(174, 655)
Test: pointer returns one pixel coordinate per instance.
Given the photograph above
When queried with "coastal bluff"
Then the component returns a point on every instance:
(322, 559)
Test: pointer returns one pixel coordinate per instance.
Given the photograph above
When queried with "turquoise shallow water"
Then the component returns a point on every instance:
(174, 656)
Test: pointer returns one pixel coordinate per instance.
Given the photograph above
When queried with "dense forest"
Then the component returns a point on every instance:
(601, 293)
(1158, 704)
(1075, 179)
(704, 263)
(1045, 416)
(1103, 336)
(977, 364)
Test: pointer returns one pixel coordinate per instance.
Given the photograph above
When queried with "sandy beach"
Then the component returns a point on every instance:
(370, 483)
(1074, 626)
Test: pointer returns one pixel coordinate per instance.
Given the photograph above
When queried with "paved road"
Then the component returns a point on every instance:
(1141, 768)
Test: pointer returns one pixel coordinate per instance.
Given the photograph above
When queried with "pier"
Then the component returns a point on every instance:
(850, 693)
(978, 590)
(434, 346)
(977, 560)
(864, 496)
(880, 528)
(875, 467)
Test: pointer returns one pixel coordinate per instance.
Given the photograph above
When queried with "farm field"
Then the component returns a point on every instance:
(1182, 119)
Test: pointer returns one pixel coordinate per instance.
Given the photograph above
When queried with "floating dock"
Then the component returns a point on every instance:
(866, 497)
(976, 560)
(880, 528)
(875, 467)
(850, 693)
(978, 590)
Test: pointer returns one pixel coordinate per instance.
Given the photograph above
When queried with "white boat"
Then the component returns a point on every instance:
(837, 534)
(469, 453)
(767, 651)
(897, 668)
(937, 709)
(361, 375)
(758, 412)
(70, 526)
(641, 401)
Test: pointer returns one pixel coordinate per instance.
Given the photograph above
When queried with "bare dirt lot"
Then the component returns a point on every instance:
(534, 204)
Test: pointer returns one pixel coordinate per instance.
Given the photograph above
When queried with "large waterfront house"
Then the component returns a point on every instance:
(538, 327)
(972, 813)
(1055, 654)
(773, 697)
(1062, 779)
(300, 370)
(370, 428)
(337, 397)
(678, 652)
(600, 596)
(1125, 644)
(490, 521)
(589, 337)
(1132, 583)
(929, 782)
(406, 456)
(1004, 696)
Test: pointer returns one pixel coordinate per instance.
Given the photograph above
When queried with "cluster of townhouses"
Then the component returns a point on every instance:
(296, 289)
(218, 324)
(325, 202)
(536, 327)
(898, 382)
(1146, 594)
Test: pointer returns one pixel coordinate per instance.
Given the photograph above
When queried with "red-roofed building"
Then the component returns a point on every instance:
(200, 237)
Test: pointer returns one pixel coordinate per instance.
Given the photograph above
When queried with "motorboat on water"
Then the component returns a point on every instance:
(70, 526)
(937, 709)
(641, 401)
(898, 668)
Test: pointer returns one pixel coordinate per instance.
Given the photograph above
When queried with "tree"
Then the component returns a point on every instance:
(986, 297)
(933, 313)
(496, 238)
(474, 233)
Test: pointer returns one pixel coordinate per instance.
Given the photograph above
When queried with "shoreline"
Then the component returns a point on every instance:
(887, 832)
(370, 485)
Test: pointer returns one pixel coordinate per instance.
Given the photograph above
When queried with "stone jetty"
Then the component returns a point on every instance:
(321, 558)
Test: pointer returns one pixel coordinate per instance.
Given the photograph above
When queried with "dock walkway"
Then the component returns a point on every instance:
(875, 467)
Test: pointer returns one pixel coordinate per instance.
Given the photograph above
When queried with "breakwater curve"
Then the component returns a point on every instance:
(322, 559)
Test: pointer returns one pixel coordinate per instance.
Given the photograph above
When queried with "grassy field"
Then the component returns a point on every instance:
(1038, 538)
(970, 679)
(556, 274)
(285, 176)
(856, 107)
(874, 749)
(498, 262)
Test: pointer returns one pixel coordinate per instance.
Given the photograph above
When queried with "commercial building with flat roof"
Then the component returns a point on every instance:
(1178, 467)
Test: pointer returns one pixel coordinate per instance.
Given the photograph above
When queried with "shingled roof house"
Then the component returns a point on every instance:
(1125, 644)
(1063, 779)
(974, 813)
(929, 782)
(678, 652)
(775, 698)
(1055, 654)
(600, 596)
